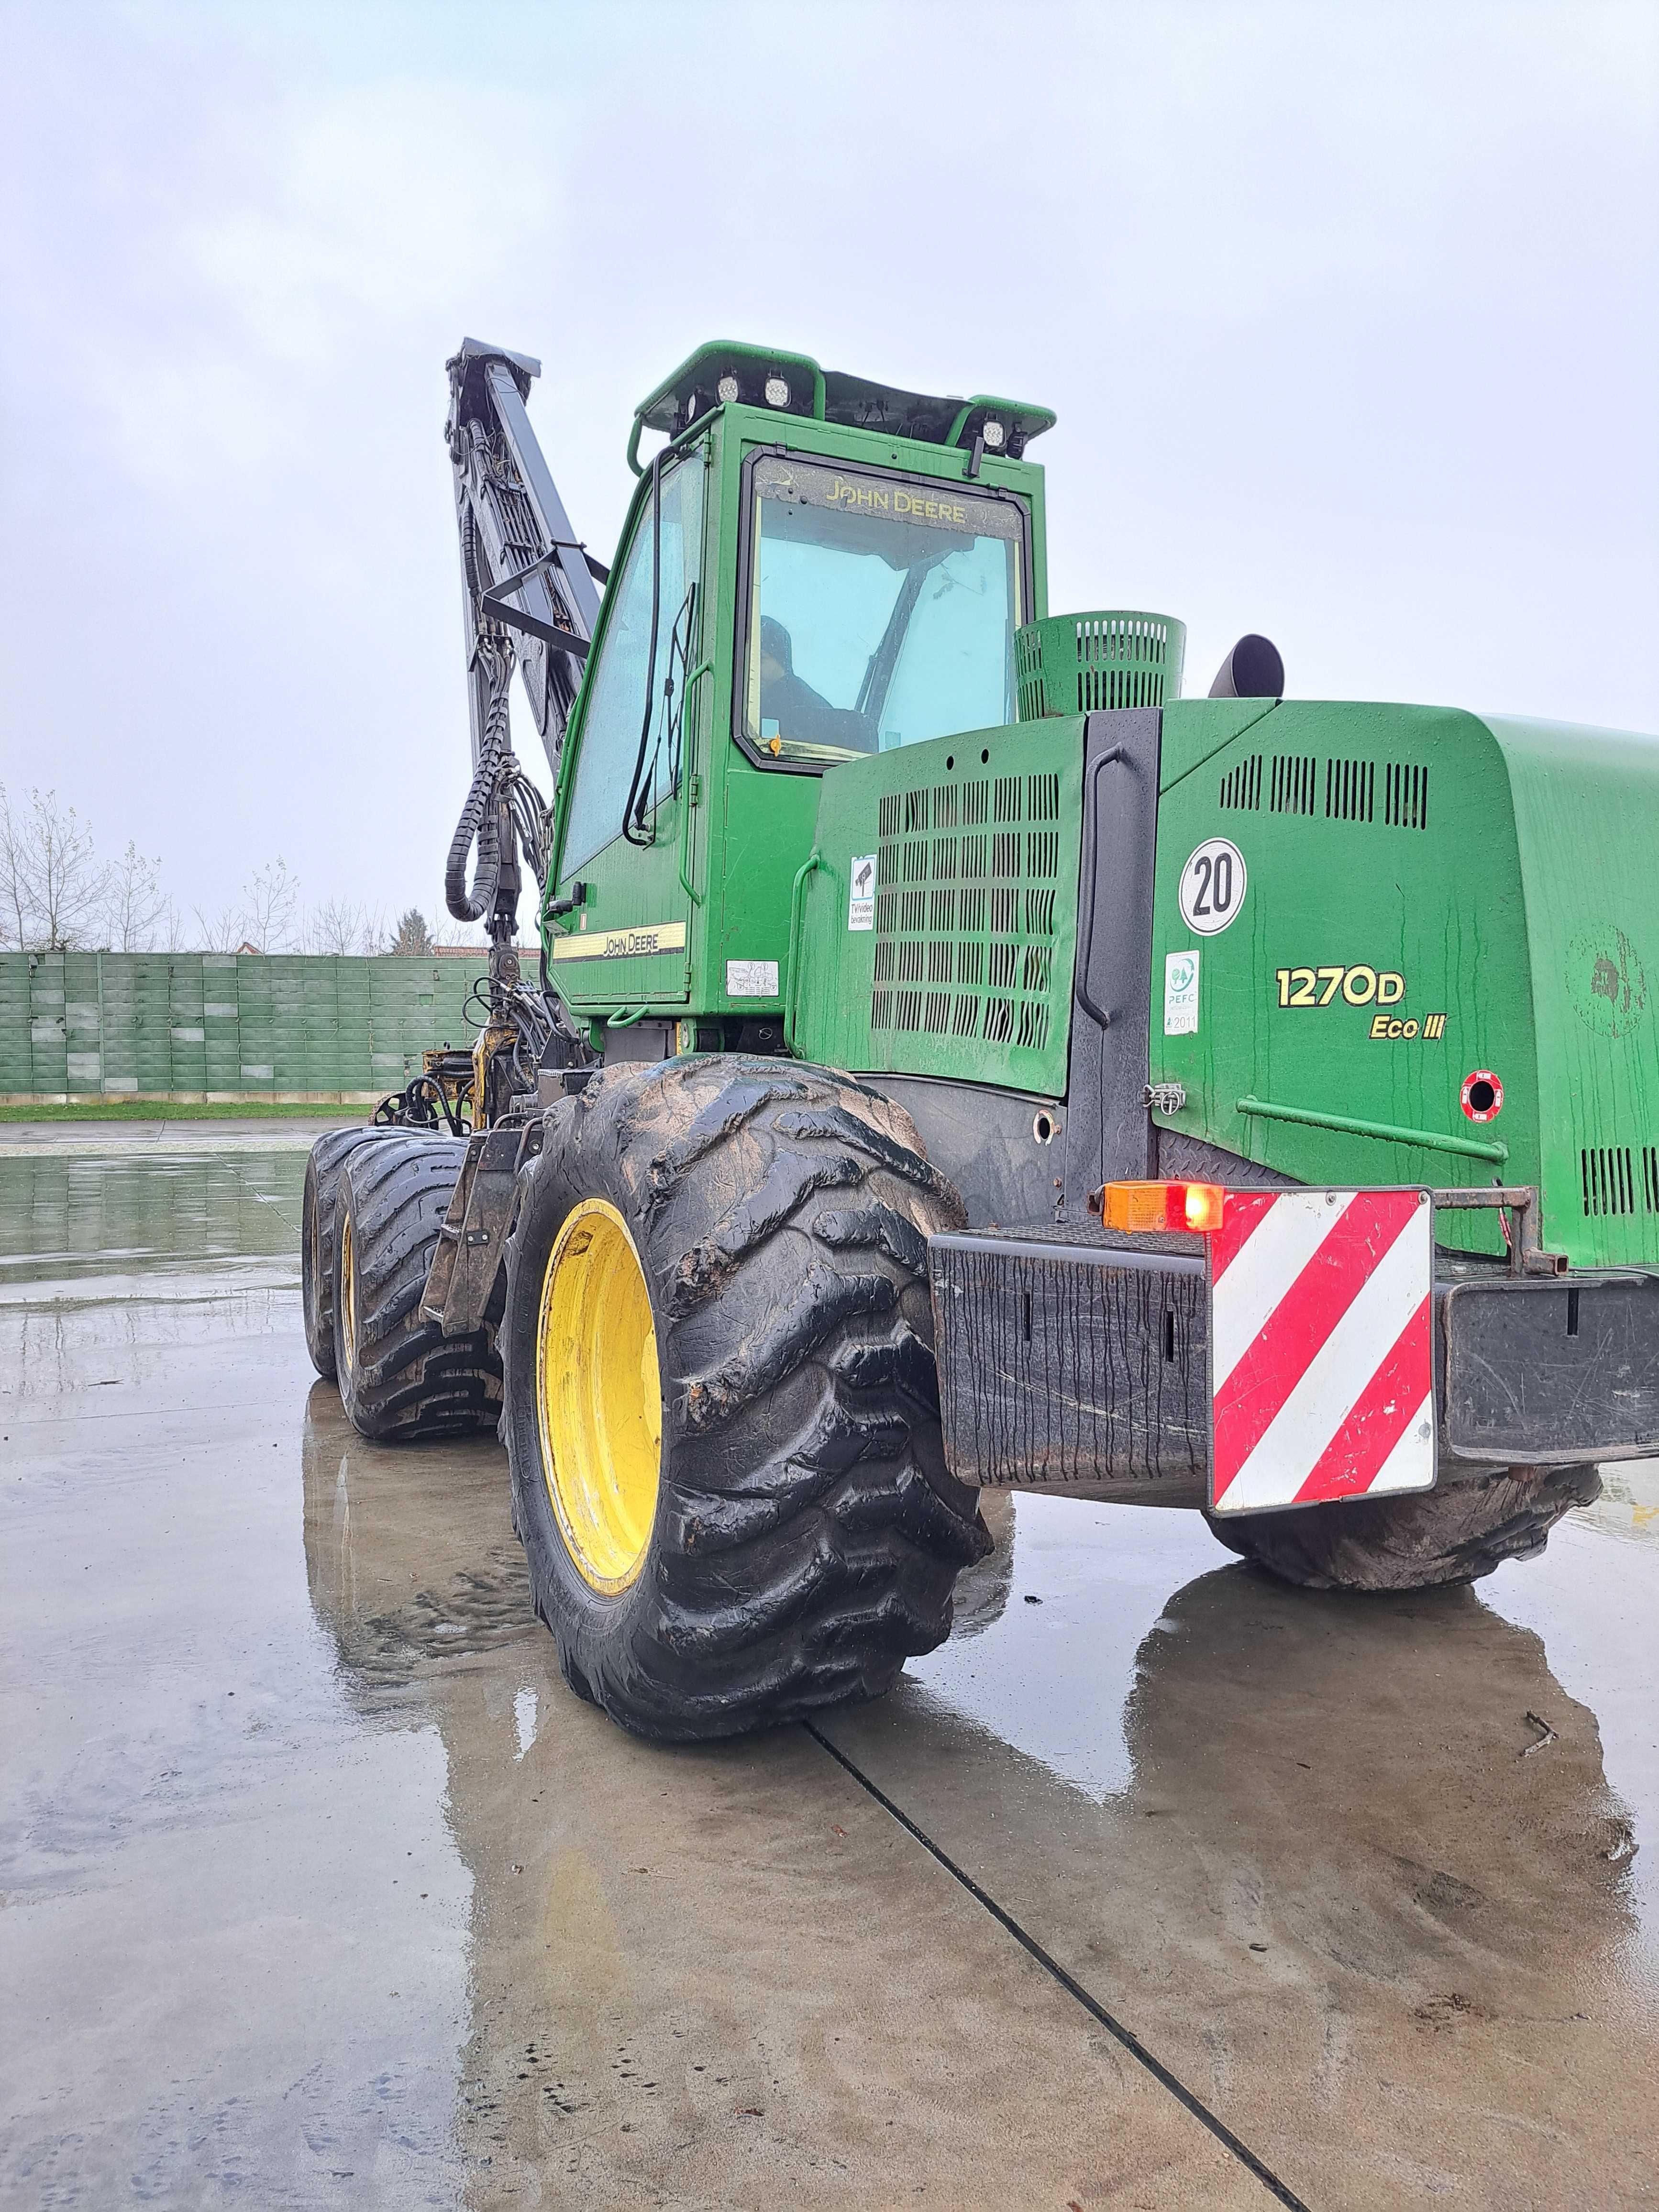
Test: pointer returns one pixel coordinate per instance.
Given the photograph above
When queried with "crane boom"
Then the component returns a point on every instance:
(529, 596)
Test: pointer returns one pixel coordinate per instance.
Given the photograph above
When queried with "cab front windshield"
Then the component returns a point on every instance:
(881, 611)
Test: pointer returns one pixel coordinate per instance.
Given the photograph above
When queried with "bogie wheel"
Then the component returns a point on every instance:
(400, 1377)
(1454, 1533)
(328, 1156)
(721, 1410)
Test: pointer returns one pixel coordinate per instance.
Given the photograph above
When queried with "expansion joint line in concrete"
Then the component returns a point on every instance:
(1130, 2041)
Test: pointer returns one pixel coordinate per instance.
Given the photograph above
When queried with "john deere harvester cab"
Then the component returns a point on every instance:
(955, 1058)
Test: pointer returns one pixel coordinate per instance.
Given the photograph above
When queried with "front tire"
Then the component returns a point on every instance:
(401, 1378)
(328, 1157)
(733, 1497)
(1457, 1533)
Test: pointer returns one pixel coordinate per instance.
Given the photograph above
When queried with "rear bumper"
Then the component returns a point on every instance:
(1075, 1361)
(1535, 1373)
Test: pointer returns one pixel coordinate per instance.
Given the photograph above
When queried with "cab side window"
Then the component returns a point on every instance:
(609, 744)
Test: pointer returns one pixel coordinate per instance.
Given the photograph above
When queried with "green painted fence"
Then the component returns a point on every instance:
(213, 1026)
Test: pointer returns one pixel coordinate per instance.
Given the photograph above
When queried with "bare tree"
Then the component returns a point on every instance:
(53, 886)
(136, 910)
(220, 931)
(15, 903)
(270, 901)
(412, 938)
(338, 926)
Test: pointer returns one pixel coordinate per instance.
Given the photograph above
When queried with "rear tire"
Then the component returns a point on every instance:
(1453, 1534)
(328, 1156)
(804, 1534)
(400, 1377)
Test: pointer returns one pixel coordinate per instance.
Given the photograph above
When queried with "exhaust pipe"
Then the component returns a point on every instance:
(1253, 670)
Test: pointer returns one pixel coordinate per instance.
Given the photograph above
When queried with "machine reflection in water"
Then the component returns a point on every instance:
(1340, 1801)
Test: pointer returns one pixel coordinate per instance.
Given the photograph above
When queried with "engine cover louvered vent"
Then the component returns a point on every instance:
(1296, 781)
(1405, 796)
(1618, 1179)
(1293, 784)
(1241, 787)
(1350, 790)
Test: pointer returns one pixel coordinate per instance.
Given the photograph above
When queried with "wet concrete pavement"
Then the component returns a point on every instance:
(320, 1889)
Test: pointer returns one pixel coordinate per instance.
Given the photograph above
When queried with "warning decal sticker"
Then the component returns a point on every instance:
(861, 892)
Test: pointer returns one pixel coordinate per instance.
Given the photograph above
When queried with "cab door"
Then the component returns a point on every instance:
(623, 778)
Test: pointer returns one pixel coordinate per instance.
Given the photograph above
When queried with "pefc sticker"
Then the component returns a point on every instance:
(1179, 994)
(1212, 886)
(861, 892)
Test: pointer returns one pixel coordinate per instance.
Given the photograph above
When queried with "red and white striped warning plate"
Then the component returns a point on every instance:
(1321, 1348)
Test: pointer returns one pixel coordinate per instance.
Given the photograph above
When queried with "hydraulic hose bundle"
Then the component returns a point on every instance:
(480, 822)
(503, 817)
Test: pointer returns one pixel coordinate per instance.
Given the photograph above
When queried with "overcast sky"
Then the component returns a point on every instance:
(1348, 313)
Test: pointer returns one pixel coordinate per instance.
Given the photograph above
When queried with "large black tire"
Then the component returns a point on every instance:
(1453, 1534)
(400, 1377)
(328, 1156)
(806, 1533)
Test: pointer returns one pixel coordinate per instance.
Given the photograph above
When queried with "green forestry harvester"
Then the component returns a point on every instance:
(956, 1060)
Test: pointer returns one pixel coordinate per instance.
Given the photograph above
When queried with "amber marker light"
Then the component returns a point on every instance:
(1160, 1206)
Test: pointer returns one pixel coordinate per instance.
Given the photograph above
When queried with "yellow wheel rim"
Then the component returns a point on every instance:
(599, 1396)
(348, 1293)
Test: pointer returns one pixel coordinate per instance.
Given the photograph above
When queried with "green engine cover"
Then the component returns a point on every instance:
(1391, 944)
(1431, 962)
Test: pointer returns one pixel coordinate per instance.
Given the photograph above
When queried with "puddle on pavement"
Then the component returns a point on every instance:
(293, 1745)
(1628, 1507)
(1391, 1840)
(77, 1224)
(1068, 1579)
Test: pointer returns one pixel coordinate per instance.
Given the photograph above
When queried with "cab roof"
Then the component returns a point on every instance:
(830, 395)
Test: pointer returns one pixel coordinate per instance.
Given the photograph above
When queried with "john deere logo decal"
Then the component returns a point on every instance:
(622, 943)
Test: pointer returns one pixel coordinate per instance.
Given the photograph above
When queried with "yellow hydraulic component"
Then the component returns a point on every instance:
(599, 1396)
(347, 1294)
(494, 1037)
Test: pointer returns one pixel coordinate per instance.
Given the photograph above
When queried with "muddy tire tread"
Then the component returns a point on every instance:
(809, 1535)
(409, 1380)
(1457, 1533)
(328, 1156)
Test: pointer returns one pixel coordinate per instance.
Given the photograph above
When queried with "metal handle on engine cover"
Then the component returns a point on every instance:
(1087, 952)
(814, 860)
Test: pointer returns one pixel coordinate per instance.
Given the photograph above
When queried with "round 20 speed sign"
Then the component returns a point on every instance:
(1212, 886)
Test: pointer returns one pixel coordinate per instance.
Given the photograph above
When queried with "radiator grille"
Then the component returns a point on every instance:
(971, 955)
